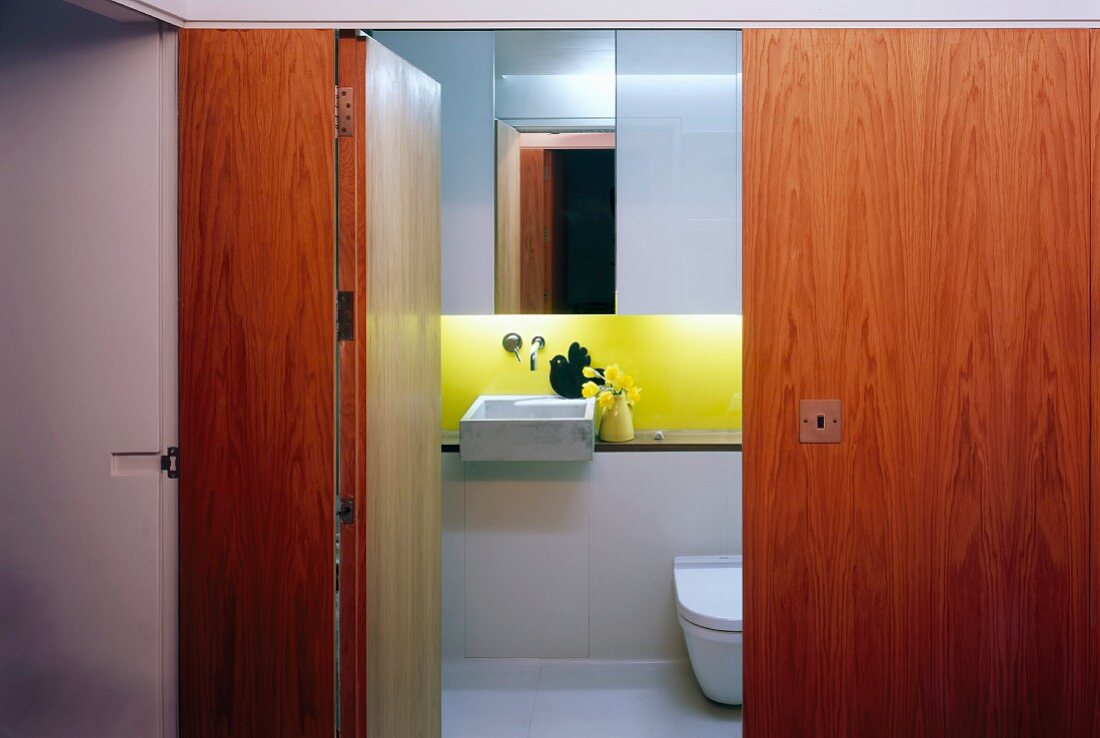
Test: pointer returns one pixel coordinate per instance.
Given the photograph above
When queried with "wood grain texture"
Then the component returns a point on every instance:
(256, 514)
(352, 276)
(1094, 286)
(1008, 480)
(506, 279)
(542, 230)
(400, 384)
(534, 284)
(829, 162)
(915, 245)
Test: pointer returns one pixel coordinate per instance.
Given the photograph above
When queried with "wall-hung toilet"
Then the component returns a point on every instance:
(708, 600)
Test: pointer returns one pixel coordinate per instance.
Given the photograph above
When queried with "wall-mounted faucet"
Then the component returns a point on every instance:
(538, 343)
(512, 342)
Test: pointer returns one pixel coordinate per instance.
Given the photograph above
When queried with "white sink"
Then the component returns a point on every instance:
(527, 428)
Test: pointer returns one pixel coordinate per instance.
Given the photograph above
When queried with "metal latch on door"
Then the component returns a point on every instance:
(170, 462)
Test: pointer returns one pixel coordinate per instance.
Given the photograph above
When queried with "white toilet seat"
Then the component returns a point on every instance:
(709, 635)
(708, 591)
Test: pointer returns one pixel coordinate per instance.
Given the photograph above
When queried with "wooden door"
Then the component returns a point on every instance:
(506, 277)
(541, 191)
(534, 294)
(1094, 55)
(256, 509)
(390, 398)
(916, 245)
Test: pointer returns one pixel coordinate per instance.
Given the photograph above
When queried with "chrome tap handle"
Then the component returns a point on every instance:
(512, 342)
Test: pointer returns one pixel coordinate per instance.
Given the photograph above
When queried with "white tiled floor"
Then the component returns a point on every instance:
(552, 698)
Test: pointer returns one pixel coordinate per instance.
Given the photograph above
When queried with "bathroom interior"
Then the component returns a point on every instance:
(404, 375)
(896, 219)
(591, 193)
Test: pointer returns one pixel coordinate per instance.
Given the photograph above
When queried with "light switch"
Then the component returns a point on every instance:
(819, 421)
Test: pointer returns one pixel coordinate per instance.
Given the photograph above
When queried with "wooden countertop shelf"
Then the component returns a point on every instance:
(674, 440)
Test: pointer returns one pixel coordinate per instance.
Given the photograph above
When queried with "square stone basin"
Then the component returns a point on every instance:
(527, 428)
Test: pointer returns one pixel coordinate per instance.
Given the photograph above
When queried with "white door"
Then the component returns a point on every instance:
(83, 619)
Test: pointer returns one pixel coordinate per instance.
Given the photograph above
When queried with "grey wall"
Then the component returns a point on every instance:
(81, 558)
(462, 62)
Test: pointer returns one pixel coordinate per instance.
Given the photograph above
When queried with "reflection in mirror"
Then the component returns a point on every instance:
(555, 183)
(678, 129)
(556, 222)
(560, 80)
(667, 239)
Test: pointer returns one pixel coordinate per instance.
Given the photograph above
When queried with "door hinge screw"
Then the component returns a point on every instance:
(345, 111)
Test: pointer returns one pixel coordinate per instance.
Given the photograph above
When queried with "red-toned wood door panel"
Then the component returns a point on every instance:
(1005, 471)
(916, 245)
(534, 231)
(1094, 38)
(831, 170)
(256, 509)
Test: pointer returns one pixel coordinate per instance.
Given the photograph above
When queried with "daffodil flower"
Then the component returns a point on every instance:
(617, 383)
(613, 375)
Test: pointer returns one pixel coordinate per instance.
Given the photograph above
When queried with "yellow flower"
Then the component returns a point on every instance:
(613, 374)
(589, 389)
(606, 400)
(588, 372)
(633, 394)
(627, 381)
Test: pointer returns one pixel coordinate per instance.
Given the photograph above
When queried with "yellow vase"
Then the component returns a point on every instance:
(617, 423)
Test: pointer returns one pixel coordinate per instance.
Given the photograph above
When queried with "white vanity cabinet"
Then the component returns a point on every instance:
(574, 560)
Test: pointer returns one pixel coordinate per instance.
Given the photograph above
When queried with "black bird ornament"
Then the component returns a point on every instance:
(566, 375)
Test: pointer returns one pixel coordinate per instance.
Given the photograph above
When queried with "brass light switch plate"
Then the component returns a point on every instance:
(819, 421)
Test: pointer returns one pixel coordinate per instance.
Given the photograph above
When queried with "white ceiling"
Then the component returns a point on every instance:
(617, 13)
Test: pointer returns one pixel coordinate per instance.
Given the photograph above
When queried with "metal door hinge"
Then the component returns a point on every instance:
(170, 462)
(345, 316)
(346, 512)
(345, 112)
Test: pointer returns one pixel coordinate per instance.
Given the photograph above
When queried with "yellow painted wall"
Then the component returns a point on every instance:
(688, 365)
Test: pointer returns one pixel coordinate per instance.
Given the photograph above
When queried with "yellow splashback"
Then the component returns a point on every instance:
(688, 365)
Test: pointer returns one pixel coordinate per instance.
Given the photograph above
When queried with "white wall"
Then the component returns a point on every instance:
(82, 567)
(678, 172)
(574, 560)
(611, 13)
(462, 62)
(556, 100)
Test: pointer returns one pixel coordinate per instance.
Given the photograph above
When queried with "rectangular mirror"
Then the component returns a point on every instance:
(678, 122)
(587, 171)
(554, 109)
